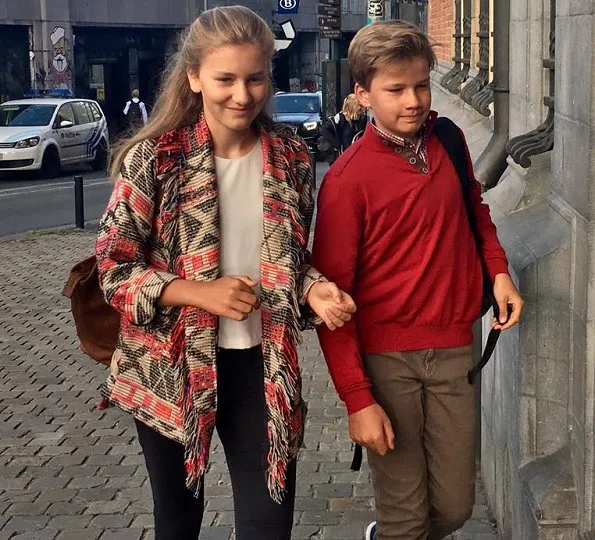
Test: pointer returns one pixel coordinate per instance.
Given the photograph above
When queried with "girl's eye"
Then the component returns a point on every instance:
(224, 80)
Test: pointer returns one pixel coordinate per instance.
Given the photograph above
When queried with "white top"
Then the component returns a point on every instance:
(239, 185)
(143, 109)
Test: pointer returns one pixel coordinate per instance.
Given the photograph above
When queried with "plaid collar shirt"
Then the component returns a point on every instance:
(417, 148)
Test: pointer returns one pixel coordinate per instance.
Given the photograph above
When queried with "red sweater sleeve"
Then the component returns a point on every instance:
(337, 237)
(493, 253)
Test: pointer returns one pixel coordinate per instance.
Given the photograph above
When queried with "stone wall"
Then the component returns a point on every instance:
(539, 389)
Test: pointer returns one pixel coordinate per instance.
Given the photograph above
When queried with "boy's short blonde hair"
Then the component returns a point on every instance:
(383, 43)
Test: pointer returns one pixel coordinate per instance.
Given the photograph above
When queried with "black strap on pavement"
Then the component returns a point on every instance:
(356, 463)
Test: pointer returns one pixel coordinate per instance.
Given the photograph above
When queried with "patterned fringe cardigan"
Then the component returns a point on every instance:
(162, 223)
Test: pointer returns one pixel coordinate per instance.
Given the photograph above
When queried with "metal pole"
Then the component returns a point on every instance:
(492, 162)
(79, 204)
(313, 163)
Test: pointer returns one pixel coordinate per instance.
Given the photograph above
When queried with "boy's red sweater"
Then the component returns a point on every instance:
(399, 242)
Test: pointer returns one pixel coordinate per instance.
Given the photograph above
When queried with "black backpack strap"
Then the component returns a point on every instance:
(451, 139)
(356, 463)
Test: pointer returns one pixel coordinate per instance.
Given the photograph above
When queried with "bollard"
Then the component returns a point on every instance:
(313, 164)
(79, 203)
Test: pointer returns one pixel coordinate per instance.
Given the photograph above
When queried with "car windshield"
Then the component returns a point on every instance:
(296, 104)
(26, 115)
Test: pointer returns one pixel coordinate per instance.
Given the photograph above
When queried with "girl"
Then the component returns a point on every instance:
(202, 249)
(341, 130)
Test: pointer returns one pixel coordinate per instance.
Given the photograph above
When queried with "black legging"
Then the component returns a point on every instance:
(242, 429)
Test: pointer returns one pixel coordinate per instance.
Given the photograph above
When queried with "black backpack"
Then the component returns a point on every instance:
(451, 139)
(134, 116)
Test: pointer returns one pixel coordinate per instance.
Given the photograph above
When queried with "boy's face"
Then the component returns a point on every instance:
(399, 96)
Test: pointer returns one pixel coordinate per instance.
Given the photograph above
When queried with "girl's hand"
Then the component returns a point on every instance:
(331, 304)
(509, 301)
(230, 296)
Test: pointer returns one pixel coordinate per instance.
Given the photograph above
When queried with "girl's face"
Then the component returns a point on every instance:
(233, 81)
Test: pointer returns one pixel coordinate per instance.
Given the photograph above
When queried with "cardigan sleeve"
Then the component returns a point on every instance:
(129, 284)
(307, 274)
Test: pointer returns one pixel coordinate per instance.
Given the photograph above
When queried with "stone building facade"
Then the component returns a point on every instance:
(538, 392)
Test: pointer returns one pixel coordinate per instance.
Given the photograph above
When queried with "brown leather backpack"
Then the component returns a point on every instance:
(97, 323)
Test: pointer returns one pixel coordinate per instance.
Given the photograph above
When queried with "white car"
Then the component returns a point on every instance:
(42, 134)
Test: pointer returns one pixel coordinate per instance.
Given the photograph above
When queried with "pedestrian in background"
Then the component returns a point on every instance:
(350, 121)
(202, 250)
(408, 255)
(341, 130)
(135, 111)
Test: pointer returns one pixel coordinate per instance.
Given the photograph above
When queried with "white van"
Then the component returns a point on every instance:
(43, 134)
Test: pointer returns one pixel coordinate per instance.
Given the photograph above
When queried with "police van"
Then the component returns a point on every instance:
(43, 134)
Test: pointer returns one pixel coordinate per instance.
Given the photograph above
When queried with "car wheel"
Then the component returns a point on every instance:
(100, 160)
(50, 165)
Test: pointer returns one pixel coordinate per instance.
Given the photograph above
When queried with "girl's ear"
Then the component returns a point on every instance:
(194, 81)
(362, 95)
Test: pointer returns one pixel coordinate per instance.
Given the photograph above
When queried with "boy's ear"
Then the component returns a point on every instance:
(362, 95)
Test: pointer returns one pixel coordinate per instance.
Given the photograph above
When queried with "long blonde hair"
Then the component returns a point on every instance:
(352, 110)
(176, 104)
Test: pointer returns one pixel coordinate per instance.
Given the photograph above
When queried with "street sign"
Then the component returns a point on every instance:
(289, 33)
(329, 19)
(329, 22)
(329, 11)
(331, 33)
(288, 7)
(375, 9)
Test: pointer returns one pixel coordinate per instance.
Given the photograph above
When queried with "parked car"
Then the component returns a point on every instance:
(43, 134)
(301, 110)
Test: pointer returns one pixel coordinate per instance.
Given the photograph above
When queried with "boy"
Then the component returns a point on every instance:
(393, 232)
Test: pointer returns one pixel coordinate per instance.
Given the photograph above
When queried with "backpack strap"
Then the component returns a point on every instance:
(451, 139)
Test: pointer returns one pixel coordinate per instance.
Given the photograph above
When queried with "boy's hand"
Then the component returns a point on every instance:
(331, 304)
(371, 428)
(507, 296)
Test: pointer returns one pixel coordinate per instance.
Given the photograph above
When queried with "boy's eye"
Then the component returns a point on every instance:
(224, 79)
(396, 90)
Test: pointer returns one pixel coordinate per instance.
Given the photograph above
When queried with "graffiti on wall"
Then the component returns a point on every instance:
(59, 71)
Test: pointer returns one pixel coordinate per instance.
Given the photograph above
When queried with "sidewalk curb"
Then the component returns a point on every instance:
(90, 226)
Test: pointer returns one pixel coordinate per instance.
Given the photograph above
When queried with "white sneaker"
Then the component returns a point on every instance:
(371, 531)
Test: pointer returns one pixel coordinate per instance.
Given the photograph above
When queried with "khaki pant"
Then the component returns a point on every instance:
(425, 487)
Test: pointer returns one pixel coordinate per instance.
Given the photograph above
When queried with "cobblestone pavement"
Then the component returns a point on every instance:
(69, 472)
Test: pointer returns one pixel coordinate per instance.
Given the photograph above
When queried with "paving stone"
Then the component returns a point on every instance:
(23, 524)
(81, 534)
(306, 532)
(69, 522)
(95, 494)
(107, 507)
(215, 533)
(111, 521)
(66, 508)
(28, 508)
(123, 534)
(144, 521)
(56, 495)
(39, 535)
